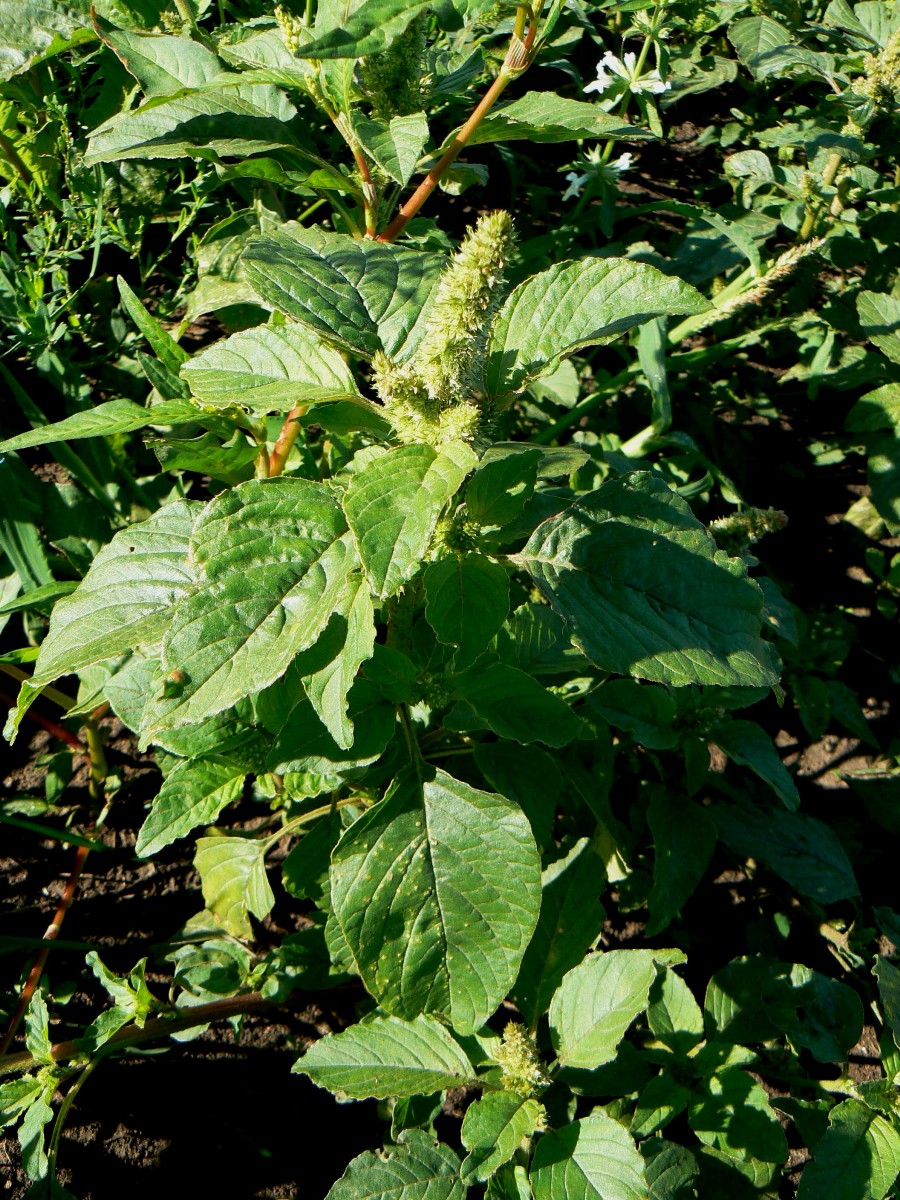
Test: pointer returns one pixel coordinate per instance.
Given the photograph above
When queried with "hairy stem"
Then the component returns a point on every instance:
(812, 209)
(37, 969)
(282, 448)
(155, 1028)
(518, 59)
(60, 698)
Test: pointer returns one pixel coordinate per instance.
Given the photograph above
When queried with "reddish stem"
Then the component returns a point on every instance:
(517, 60)
(51, 726)
(286, 439)
(51, 933)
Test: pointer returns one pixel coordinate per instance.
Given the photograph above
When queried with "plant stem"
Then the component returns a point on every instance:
(57, 730)
(156, 1027)
(60, 698)
(313, 815)
(370, 199)
(812, 210)
(289, 431)
(34, 975)
(518, 59)
(64, 1109)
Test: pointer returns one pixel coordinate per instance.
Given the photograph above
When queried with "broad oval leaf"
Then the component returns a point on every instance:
(591, 1159)
(437, 889)
(493, 1129)
(361, 296)
(393, 506)
(386, 1056)
(468, 601)
(274, 560)
(859, 1155)
(192, 794)
(115, 416)
(570, 922)
(574, 304)
(161, 63)
(515, 706)
(417, 1168)
(269, 368)
(644, 590)
(233, 878)
(595, 1004)
(127, 599)
(548, 117)
(232, 122)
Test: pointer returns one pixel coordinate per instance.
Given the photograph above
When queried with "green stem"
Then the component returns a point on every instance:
(812, 209)
(64, 1109)
(157, 1027)
(305, 818)
(626, 99)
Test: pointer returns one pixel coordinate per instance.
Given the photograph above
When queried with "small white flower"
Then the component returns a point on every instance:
(612, 71)
(596, 169)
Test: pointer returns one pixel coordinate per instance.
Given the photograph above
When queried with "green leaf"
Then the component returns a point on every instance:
(575, 304)
(547, 117)
(748, 744)
(591, 1159)
(397, 146)
(753, 37)
(114, 416)
(393, 506)
(328, 687)
(527, 775)
(385, 1056)
(858, 1158)
(163, 345)
(660, 1102)
(648, 713)
(804, 851)
(359, 28)
(644, 590)
(684, 839)
(274, 561)
(37, 1027)
(468, 601)
(34, 30)
(734, 1006)
(569, 925)
(492, 1129)
(40, 598)
(888, 977)
(417, 1168)
(674, 1015)
(363, 296)
(595, 1004)
(819, 1014)
(37, 1116)
(501, 487)
(305, 870)
(231, 123)
(192, 794)
(437, 890)
(233, 879)
(124, 601)
(269, 368)
(162, 63)
(515, 706)
(731, 1112)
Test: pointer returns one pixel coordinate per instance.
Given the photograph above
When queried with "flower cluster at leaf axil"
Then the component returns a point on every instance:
(433, 398)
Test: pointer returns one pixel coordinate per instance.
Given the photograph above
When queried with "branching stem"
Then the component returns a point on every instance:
(518, 59)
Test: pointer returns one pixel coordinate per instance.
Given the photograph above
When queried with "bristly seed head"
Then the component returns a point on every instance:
(468, 295)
